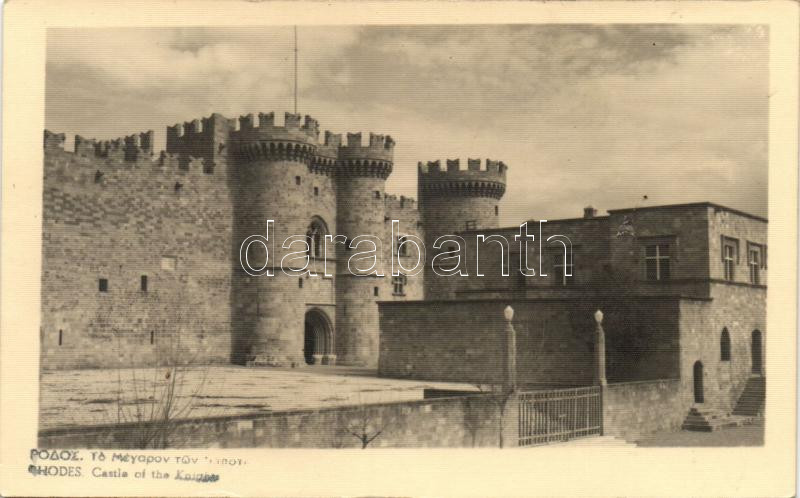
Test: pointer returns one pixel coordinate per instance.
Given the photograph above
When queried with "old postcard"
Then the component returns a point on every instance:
(469, 249)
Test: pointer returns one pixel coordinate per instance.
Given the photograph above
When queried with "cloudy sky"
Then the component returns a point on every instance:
(599, 115)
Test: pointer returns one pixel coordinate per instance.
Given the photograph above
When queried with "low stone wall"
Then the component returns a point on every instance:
(460, 341)
(632, 409)
(462, 421)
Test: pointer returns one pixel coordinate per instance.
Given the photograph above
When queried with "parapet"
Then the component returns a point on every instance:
(329, 148)
(129, 148)
(295, 128)
(86, 147)
(373, 160)
(380, 148)
(489, 181)
(54, 140)
(206, 138)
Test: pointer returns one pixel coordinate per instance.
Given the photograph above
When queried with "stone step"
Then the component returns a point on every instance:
(751, 400)
(710, 419)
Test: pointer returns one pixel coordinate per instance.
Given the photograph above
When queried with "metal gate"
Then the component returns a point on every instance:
(559, 415)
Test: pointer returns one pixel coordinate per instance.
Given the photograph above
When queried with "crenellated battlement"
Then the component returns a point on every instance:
(380, 147)
(54, 140)
(295, 128)
(66, 167)
(372, 160)
(130, 148)
(206, 138)
(475, 180)
(498, 168)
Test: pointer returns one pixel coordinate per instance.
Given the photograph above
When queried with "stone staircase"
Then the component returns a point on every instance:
(711, 419)
(751, 401)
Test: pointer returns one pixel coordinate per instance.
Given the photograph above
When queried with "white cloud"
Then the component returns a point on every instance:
(599, 115)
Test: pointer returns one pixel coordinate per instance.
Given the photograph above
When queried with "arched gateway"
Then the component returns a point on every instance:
(318, 339)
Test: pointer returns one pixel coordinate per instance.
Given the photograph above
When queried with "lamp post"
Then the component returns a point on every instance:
(510, 360)
(600, 348)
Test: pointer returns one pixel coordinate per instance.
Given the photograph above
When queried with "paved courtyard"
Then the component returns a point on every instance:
(88, 397)
(746, 435)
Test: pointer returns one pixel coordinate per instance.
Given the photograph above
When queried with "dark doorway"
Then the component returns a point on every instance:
(308, 345)
(317, 340)
(756, 352)
(698, 382)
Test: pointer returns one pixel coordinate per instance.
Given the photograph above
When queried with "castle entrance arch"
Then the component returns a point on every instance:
(318, 337)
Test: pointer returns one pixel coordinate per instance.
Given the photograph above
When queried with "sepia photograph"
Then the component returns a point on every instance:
(537, 234)
(466, 235)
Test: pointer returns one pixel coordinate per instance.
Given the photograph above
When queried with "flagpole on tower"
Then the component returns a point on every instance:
(295, 69)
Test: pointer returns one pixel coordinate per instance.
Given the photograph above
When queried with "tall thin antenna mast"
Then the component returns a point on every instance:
(295, 69)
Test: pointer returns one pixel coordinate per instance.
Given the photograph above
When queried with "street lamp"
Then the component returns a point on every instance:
(508, 313)
(600, 348)
(510, 353)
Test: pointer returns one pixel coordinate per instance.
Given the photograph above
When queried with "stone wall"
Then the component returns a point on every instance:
(747, 232)
(163, 236)
(589, 244)
(465, 421)
(460, 340)
(739, 309)
(633, 409)
(124, 222)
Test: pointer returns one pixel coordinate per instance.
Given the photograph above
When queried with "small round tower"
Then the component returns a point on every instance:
(456, 199)
(360, 180)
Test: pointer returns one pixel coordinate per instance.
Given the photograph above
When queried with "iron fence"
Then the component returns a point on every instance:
(556, 415)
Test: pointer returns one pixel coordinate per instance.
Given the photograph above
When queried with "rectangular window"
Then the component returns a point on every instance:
(399, 284)
(375, 291)
(730, 257)
(297, 180)
(657, 262)
(143, 283)
(316, 190)
(754, 261)
(471, 224)
(300, 282)
(729, 261)
(103, 285)
(152, 337)
(377, 194)
(60, 336)
(563, 273)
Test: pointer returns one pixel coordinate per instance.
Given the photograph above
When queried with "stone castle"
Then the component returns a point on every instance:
(141, 253)
(142, 265)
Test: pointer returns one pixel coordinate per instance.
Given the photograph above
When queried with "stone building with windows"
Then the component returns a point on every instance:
(682, 288)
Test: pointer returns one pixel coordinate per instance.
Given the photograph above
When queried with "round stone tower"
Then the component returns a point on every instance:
(361, 176)
(275, 178)
(456, 200)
